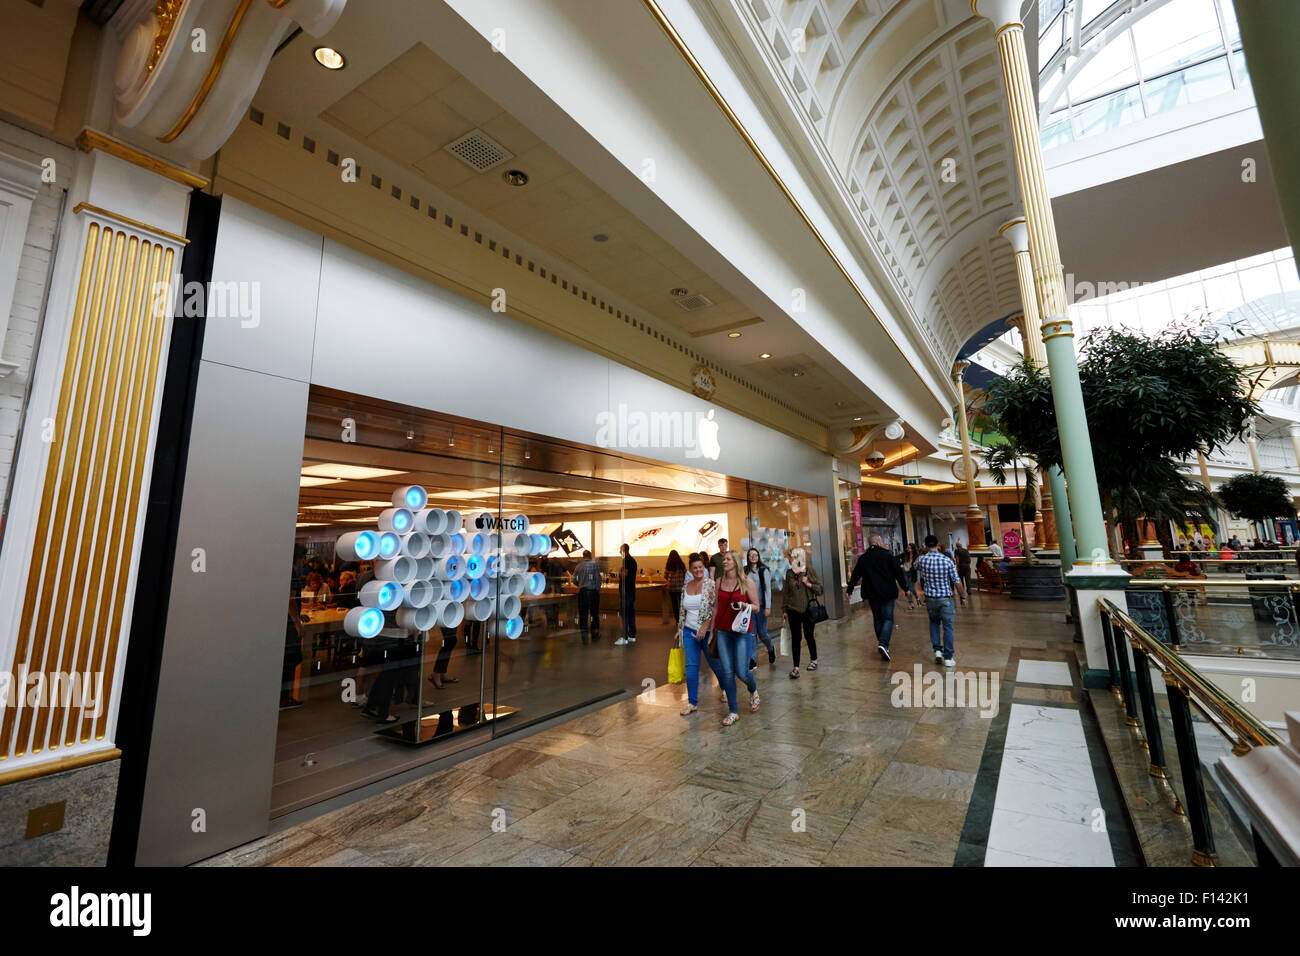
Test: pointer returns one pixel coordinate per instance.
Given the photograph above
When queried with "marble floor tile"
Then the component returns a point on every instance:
(907, 811)
(1044, 672)
(507, 849)
(646, 841)
(624, 790)
(877, 845)
(569, 823)
(1063, 842)
(701, 808)
(935, 782)
(767, 836)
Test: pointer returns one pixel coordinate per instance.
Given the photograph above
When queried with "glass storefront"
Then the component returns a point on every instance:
(491, 651)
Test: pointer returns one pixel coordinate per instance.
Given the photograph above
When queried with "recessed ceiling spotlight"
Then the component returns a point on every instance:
(733, 335)
(515, 177)
(857, 418)
(410, 435)
(765, 355)
(600, 237)
(329, 57)
(677, 293)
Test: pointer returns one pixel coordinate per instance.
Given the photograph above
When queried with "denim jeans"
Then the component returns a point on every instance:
(940, 611)
(695, 649)
(732, 647)
(882, 618)
(760, 634)
(627, 607)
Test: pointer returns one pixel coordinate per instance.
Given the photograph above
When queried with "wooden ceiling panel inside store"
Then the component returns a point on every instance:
(417, 104)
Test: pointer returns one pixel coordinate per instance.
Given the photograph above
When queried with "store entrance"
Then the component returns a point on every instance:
(357, 709)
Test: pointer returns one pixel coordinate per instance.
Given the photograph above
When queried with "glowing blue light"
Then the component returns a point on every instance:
(536, 583)
(366, 545)
(514, 627)
(456, 590)
(389, 596)
(402, 521)
(371, 622)
(474, 566)
(389, 545)
(478, 588)
(416, 497)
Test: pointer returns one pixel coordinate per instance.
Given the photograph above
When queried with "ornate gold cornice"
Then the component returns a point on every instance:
(214, 71)
(166, 13)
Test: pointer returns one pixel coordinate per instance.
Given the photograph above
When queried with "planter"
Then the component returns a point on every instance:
(1036, 582)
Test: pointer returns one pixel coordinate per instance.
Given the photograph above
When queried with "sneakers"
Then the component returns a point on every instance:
(938, 657)
(621, 641)
(753, 664)
(884, 651)
(949, 662)
(631, 640)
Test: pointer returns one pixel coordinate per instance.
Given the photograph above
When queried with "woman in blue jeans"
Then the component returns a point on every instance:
(735, 594)
(760, 575)
(694, 621)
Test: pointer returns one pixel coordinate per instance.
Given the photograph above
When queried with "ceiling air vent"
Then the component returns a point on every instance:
(479, 151)
(693, 303)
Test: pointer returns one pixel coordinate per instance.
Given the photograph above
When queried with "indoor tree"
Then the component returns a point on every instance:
(1257, 498)
(1152, 401)
(1006, 456)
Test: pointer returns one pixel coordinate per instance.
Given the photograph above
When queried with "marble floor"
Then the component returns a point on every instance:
(861, 762)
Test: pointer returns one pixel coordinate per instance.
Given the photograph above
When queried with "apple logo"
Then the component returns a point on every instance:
(708, 430)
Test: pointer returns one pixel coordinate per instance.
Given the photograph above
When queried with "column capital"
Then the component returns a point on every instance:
(1003, 13)
(959, 369)
(1016, 232)
(1294, 429)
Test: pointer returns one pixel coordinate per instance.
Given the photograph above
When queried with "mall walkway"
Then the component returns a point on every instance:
(829, 771)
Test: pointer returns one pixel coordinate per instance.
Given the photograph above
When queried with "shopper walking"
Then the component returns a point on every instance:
(962, 557)
(675, 576)
(627, 596)
(761, 577)
(881, 577)
(586, 578)
(735, 594)
(939, 575)
(694, 624)
(716, 561)
(801, 589)
(909, 569)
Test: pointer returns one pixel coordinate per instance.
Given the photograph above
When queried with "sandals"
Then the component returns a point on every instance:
(753, 703)
(794, 674)
(688, 710)
(812, 665)
(730, 719)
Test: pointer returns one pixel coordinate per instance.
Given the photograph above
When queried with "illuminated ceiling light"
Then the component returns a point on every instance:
(410, 435)
(329, 57)
(857, 418)
(339, 472)
(515, 177)
(733, 335)
(765, 355)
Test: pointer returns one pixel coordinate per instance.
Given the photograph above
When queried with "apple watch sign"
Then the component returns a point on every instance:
(694, 433)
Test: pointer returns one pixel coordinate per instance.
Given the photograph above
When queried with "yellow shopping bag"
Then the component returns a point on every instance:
(676, 665)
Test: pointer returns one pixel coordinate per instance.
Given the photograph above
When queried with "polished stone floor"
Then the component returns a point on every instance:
(848, 765)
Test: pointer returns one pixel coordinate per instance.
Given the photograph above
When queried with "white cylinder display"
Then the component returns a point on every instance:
(535, 583)
(457, 543)
(400, 569)
(424, 567)
(517, 542)
(411, 497)
(431, 521)
(517, 523)
(475, 542)
(542, 544)
(744, 543)
(518, 564)
(475, 566)
(508, 606)
(396, 520)
(509, 627)
(450, 568)
(493, 565)
(450, 613)
(364, 622)
(357, 546)
(454, 521)
(454, 590)
(479, 589)
(417, 618)
(436, 588)
(385, 595)
(479, 521)
(439, 545)
(478, 610)
(513, 584)
(416, 544)
(418, 594)
(390, 545)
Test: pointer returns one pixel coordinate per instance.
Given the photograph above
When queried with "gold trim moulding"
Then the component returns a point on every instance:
(128, 221)
(90, 139)
(214, 71)
(59, 766)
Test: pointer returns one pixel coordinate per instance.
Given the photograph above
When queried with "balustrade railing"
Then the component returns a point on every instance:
(1254, 618)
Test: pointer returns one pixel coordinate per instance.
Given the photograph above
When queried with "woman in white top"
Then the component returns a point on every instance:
(694, 621)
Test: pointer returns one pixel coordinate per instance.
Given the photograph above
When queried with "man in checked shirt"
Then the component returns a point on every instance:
(939, 576)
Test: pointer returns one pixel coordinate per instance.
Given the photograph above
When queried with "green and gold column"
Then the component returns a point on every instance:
(974, 517)
(1094, 574)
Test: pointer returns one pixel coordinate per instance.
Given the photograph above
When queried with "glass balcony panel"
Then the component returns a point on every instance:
(1109, 112)
(1191, 85)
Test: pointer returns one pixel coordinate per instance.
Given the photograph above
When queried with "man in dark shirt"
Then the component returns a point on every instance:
(962, 557)
(627, 596)
(881, 577)
(716, 561)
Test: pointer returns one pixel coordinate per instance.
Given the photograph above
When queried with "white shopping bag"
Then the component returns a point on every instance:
(785, 641)
(742, 621)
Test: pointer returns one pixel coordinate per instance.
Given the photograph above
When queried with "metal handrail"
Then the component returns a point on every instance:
(1237, 560)
(1209, 699)
(1211, 582)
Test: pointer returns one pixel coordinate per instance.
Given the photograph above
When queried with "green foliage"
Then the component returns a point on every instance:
(1004, 457)
(1257, 497)
(1151, 402)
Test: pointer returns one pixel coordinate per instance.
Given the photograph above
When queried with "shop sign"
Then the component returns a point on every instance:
(911, 481)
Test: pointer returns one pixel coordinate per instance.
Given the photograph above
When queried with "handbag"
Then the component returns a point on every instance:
(816, 611)
(676, 665)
